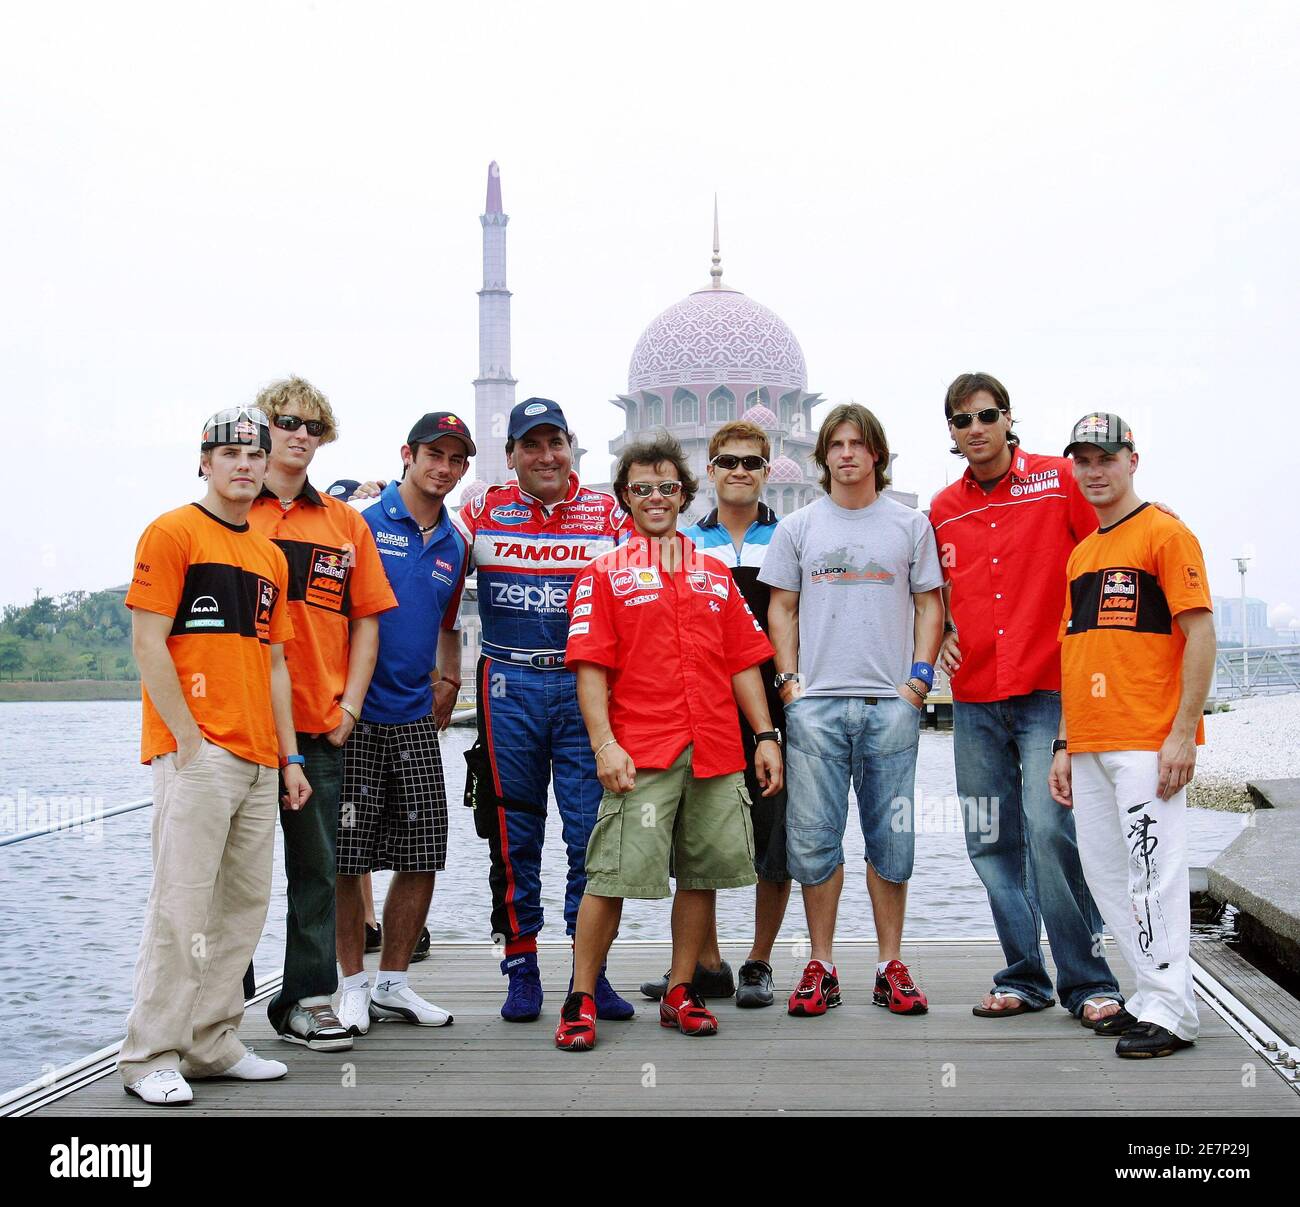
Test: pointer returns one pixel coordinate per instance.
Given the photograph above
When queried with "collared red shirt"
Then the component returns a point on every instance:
(427, 578)
(671, 643)
(335, 577)
(1003, 554)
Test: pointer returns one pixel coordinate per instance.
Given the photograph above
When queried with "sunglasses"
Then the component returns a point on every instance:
(291, 423)
(752, 463)
(961, 420)
(643, 490)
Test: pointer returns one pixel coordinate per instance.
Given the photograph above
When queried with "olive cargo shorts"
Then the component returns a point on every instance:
(697, 829)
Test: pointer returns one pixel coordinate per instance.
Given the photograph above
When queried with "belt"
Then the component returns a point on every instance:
(540, 660)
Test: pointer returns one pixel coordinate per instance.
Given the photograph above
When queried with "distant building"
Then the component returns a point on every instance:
(1227, 622)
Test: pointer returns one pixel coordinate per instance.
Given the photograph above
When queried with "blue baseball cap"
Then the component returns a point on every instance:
(344, 488)
(533, 412)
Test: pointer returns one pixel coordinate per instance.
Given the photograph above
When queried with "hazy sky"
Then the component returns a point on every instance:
(1096, 204)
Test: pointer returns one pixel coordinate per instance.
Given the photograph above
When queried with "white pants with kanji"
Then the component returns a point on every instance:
(1133, 847)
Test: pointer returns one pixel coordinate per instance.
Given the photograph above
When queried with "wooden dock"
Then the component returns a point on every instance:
(857, 1059)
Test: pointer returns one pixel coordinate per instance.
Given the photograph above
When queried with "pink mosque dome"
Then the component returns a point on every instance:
(760, 416)
(717, 335)
(784, 470)
(471, 492)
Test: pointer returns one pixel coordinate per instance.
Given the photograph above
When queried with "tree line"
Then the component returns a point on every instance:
(77, 635)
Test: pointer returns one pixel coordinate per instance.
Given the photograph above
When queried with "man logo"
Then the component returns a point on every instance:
(204, 603)
(201, 614)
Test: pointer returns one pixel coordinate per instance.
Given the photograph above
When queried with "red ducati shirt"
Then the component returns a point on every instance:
(671, 643)
(1004, 554)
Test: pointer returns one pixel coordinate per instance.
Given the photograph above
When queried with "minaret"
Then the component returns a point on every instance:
(494, 388)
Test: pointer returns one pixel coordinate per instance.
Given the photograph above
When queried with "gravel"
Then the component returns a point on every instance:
(1259, 739)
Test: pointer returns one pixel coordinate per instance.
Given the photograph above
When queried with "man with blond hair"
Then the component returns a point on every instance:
(337, 589)
(856, 618)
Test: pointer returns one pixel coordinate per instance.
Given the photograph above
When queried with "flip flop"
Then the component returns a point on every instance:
(1099, 1003)
(1008, 1012)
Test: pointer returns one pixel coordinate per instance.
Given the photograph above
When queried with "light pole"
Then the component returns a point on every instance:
(1245, 629)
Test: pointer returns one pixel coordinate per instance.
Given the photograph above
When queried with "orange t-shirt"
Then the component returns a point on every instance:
(1121, 650)
(335, 576)
(224, 587)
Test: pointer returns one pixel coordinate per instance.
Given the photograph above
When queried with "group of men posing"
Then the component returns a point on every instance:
(700, 700)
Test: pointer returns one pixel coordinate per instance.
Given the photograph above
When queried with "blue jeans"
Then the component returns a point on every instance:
(1022, 845)
(830, 740)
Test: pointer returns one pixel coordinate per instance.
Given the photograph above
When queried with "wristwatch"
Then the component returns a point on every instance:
(768, 735)
(784, 677)
(292, 758)
(1058, 744)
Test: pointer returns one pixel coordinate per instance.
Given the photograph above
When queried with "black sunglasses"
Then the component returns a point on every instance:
(961, 420)
(753, 463)
(291, 423)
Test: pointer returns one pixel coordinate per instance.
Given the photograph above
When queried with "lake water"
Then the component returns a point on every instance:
(73, 902)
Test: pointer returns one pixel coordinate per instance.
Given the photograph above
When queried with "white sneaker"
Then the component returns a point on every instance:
(251, 1067)
(407, 1006)
(354, 1010)
(162, 1087)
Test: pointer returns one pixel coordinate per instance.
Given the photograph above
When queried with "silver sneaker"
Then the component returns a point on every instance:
(316, 1027)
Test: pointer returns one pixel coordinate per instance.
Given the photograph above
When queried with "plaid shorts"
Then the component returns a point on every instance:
(393, 804)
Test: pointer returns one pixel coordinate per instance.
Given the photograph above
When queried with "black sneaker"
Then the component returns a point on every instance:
(1116, 1024)
(374, 939)
(755, 984)
(421, 951)
(707, 982)
(1147, 1040)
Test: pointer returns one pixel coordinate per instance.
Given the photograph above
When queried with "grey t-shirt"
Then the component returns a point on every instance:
(855, 572)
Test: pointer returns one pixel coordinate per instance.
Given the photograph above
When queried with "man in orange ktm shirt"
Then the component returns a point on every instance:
(337, 588)
(209, 623)
(1137, 658)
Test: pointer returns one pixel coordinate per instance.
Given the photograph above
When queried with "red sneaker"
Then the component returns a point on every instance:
(818, 991)
(895, 989)
(684, 1009)
(577, 1029)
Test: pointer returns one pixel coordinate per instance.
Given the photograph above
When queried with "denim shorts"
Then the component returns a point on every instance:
(830, 742)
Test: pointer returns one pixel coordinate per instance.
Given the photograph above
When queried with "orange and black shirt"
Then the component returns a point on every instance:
(335, 576)
(224, 587)
(1121, 648)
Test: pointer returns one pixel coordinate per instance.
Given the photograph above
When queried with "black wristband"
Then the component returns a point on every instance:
(769, 735)
(1058, 745)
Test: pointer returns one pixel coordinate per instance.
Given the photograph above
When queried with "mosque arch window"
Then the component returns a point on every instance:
(787, 500)
(722, 405)
(652, 411)
(758, 398)
(686, 407)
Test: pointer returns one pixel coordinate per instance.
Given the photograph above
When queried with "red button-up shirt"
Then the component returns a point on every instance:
(1003, 555)
(671, 643)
